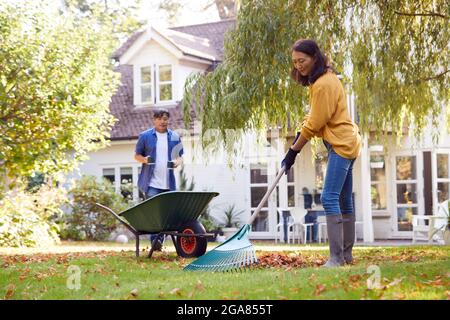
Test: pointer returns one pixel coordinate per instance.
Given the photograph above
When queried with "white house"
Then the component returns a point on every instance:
(154, 64)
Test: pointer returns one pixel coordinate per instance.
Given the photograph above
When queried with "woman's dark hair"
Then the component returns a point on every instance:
(159, 113)
(321, 66)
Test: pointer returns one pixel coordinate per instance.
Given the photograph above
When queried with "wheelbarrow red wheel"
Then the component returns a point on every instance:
(189, 247)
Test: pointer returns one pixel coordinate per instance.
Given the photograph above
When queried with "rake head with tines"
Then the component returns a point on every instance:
(237, 252)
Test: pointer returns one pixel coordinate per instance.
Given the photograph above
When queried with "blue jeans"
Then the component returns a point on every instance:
(338, 184)
(151, 192)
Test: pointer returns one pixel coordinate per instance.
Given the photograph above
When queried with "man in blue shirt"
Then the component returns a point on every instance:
(160, 150)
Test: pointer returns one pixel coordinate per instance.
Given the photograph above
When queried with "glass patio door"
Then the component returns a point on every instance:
(258, 187)
(442, 175)
(408, 197)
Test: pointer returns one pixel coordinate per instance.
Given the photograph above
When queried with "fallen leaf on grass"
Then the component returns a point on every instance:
(24, 274)
(10, 290)
(199, 286)
(419, 285)
(176, 291)
(320, 288)
(437, 282)
(395, 282)
(134, 292)
(399, 296)
(354, 278)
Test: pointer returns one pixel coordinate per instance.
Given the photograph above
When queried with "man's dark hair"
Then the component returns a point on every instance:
(321, 65)
(159, 113)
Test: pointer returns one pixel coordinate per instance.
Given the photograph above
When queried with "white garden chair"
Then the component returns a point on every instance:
(431, 227)
(297, 230)
(322, 228)
(300, 227)
(280, 226)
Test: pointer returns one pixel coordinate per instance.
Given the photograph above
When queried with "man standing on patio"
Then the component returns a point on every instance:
(160, 150)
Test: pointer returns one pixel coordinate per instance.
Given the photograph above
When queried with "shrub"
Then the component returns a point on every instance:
(87, 221)
(206, 220)
(231, 217)
(27, 219)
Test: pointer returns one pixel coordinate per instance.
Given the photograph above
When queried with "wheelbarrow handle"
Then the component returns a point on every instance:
(126, 224)
(266, 196)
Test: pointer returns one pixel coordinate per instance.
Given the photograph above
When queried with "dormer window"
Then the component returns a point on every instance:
(165, 83)
(156, 84)
(146, 85)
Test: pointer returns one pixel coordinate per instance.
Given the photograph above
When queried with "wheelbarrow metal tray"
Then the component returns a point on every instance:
(168, 211)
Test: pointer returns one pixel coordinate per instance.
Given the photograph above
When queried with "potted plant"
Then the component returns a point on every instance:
(210, 226)
(230, 220)
(377, 161)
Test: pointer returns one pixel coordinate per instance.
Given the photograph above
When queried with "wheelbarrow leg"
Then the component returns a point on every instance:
(174, 240)
(137, 245)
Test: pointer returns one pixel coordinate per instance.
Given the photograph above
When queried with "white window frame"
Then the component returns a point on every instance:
(270, 222)
(436, 180)
(159, 83)
(291, 184)
(151, 83)
(117, 181)
(154, 85)
(419, 189)
(385, 183)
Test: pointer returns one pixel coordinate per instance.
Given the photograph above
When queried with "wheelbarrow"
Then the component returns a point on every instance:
(172, 213)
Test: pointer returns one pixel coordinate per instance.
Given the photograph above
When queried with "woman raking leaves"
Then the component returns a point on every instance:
(328, 119)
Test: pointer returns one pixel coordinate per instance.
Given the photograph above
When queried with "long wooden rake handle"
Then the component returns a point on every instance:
(266, 196)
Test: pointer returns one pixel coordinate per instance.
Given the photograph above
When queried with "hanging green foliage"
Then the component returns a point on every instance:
(393, 55)
(56, 83)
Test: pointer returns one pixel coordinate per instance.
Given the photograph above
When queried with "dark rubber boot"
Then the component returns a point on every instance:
(336, 240)
(349, 236)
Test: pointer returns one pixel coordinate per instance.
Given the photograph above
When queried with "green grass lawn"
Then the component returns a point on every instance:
(420, 272)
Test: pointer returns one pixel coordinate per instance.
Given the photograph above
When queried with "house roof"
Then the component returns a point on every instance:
(189, 39)
(191, 45)
(199, 40)
(214, 32)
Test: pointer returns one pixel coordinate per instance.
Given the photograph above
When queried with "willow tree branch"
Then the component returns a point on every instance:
(433, 77)
(428, 14)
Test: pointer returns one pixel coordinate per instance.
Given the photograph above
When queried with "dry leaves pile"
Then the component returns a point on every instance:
(305, 260)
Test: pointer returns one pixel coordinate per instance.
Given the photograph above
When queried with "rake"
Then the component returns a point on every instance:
(237, 252)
